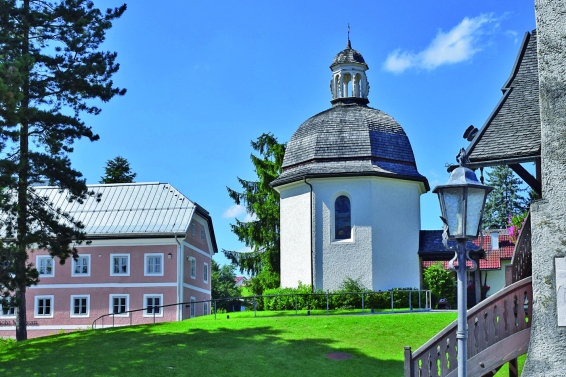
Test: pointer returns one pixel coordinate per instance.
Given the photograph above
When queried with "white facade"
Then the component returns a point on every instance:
(382, 248)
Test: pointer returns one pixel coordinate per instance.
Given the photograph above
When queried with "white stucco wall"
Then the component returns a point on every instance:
(496, 278)
(382, 252)
(295, 235)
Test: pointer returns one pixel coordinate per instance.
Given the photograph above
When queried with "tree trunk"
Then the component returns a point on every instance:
(21, 258)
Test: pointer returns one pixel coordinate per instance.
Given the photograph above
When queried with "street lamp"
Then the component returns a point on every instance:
(462, 201)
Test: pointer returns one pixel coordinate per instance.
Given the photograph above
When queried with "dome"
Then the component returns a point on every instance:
(349, 139)
(349, 55)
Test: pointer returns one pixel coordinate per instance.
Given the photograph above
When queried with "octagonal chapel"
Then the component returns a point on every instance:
(350, 192)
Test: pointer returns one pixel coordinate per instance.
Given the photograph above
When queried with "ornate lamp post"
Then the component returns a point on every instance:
(462, 201)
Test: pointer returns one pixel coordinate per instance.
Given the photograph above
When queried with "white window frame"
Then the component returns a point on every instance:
(74, 265)
(146, 264)
(39, 258)
(192, 313)
(192, 229)
(73, 298)
(111, 304)
(205, 310)
(148, 296)
(36, 306)
(112, 256)
(205, 273)
(10, 312)
(202, 235)
(193, 267)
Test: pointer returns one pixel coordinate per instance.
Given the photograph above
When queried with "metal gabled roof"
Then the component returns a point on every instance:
(127, 209)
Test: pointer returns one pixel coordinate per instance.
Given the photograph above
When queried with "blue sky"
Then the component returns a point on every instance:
(204, 78)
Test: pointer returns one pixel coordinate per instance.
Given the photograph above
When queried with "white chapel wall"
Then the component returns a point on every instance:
(396, 215)
(295, 235)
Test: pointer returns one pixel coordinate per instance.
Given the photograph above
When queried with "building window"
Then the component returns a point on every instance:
(153, 264)
(43, 306)
(153, 305)
(342, 218)
(205, 273)
(193, 267)
(202, 235)
(192, 229)
(119, 304)
(80, 306)
(120, 264)
(45, 265)
(6, 309)
(81, 266)
(193, 311)
(205, 308)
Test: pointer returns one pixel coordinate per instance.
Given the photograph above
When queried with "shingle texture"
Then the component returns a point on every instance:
(512, 132)
(126, 209)
(348, 55)
(349, 139)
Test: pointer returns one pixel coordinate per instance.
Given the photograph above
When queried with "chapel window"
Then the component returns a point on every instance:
(342, 218)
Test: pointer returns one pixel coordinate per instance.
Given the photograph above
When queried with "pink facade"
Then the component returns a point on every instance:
(113, 275)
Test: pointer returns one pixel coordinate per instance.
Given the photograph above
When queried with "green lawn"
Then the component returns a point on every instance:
(238, 346)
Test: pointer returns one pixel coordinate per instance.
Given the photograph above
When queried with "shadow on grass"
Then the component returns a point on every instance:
(159, 351)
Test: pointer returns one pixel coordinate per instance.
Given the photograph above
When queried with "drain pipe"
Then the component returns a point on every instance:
(312, 251)
(180, 261)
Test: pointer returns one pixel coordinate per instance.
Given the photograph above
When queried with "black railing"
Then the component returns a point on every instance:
(415, 300)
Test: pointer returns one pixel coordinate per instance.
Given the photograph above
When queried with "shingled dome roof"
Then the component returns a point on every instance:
(349, 139)
(349, 55)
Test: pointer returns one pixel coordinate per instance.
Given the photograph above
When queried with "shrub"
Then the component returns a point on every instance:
(440, 282)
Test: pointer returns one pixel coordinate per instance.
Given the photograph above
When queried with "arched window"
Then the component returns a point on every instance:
(342, 218)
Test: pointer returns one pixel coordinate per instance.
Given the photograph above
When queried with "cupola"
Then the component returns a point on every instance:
(349, 82)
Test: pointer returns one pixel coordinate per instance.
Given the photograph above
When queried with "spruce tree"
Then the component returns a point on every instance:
(506, 199)
(118, 171)
(260, 199)
(51, 70)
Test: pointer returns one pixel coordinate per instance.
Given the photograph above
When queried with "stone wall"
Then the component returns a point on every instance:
(546, 356)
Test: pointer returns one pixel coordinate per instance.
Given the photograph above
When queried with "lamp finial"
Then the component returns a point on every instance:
(462, 158)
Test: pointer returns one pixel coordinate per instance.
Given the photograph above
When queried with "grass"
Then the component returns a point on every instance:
(242, 346)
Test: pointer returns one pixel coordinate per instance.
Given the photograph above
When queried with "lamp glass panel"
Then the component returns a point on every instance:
(476, 199)
(453, 205)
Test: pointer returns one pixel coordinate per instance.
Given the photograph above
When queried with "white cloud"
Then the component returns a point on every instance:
(245, 249)
(250, 217)
(235, 210)
(454, 46)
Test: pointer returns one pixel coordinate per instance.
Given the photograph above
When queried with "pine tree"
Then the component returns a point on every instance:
(505, 200)
(50, 72)
(260, 199)
(118, 171)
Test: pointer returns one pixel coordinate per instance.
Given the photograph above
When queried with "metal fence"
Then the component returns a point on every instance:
(394, 301)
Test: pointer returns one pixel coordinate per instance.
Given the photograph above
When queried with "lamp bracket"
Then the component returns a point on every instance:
(452, 266)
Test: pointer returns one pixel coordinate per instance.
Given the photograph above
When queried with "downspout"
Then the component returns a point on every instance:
(311, 238)
(180, 260)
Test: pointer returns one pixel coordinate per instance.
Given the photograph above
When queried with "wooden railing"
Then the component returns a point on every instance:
(521, 264)
(498, 331)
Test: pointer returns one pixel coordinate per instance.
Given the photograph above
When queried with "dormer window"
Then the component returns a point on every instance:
(494, 240)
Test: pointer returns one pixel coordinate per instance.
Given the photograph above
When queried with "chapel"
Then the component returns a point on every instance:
(350, 192)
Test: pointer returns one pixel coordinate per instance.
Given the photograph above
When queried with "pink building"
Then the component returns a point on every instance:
(150, 246)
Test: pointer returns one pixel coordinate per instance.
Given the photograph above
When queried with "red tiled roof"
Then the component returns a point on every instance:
(493, 258)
